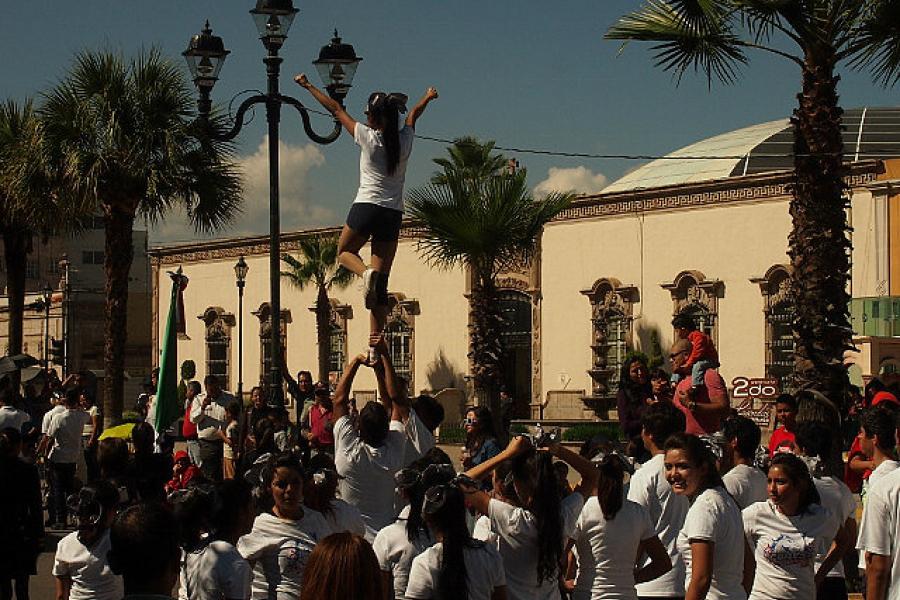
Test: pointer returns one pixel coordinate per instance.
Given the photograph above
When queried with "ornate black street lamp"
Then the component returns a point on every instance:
(47, 297)
(336, 64)
(240, 274)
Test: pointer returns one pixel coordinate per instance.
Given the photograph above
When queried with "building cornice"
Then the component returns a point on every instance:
(750, 188)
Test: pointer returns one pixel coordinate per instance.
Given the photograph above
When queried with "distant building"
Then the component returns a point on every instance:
(704, 234)
(77, 310)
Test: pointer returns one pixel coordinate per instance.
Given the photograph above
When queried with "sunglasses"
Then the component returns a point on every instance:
(470, 421)
(672, 356)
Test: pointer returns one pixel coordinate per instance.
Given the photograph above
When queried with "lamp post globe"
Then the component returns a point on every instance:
(205, 56)
(336, 65)
(273, 20)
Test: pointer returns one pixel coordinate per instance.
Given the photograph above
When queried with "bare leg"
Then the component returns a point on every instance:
(383, 254)
(349, 246)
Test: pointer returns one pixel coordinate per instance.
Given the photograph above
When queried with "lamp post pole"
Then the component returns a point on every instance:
(240, 272)
(336, 64)
(48, 297)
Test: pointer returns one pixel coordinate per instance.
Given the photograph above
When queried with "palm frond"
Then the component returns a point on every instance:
(876, 41)
(691, 34)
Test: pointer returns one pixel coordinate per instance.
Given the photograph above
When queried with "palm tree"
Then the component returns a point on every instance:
(470, 158)
(712, 36)
(125, 140)
(487, 225)
(318, 265)
(28, 205)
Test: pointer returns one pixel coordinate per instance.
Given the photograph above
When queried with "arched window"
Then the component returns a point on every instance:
(695, 295)
(515, 338)
(337, 339)
(778, 309)
(218, 343)
(399, 335)
(264, 314)
(611, 320)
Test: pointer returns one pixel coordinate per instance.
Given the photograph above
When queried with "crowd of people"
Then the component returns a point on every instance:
(361, 503)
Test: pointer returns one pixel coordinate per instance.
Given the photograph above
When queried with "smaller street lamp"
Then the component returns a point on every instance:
(47, 296)
(240, 274)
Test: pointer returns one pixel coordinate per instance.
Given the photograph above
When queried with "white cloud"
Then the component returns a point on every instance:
(298, 209)
(580, 180)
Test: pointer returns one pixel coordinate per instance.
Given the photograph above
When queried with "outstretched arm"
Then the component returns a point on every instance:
(417, 110)
(587, 470)
(392, 392)
(329, 104)
(341, 402)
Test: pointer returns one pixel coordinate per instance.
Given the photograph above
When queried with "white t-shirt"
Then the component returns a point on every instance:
(482, 531)
(48, 417)
(607, 550)
(484, 572)
(886, 467)
(344, 517)
(12, 417)
(838, 499)
(368, 472)
(746, 484)
(278, 549)
(517, 530)
(419, 439)
(785, 549)
(92, 579)
(715, 517)
(65, 431)
(215, 572)
(880, 526)
(649, 488)
(212, 419)
(375, 185)
(396, 553)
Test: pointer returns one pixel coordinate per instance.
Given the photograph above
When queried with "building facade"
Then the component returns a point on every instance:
(705, 236)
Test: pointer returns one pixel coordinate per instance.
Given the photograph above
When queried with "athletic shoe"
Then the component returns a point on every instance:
(370, 279)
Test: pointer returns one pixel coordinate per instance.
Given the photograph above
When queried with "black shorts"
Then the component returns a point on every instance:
(380, 223)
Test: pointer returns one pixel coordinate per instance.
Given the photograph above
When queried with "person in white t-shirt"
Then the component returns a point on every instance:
(319, 492)
(369, 450)
(649, 488)
(610, 535)
(279, 545)
(80, 566)
(211, 566)
(10, 416)
(711, 541)
(879, 538)
(878, 439)
(400, 542)
(377, 210)
(786, 533)
(814, 442)
(64, 439)
(744, 481)
(532, 534)
(457, 566)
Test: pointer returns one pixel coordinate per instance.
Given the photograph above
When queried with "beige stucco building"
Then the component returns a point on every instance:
(704, 231)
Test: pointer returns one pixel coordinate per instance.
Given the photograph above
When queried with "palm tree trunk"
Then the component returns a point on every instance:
(818, 245)
(485, 348)
(15, 248)
(323, 331)
(119, 224)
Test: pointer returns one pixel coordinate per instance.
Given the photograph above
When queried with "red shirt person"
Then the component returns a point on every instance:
(707, 405)
(786, 417)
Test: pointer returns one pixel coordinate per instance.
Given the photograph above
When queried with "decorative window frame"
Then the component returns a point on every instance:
(405, 310)
(608, 298)
(218, 324)
(775, 287)
(339, 317)
(692, 290)
(264, 314)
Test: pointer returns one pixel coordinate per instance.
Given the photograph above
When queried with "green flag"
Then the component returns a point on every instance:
(167, 408)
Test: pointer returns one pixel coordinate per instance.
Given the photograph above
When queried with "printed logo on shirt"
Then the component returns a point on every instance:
(292, 558)
(790, 551)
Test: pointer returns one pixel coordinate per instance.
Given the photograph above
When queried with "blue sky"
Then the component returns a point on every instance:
(527, 74)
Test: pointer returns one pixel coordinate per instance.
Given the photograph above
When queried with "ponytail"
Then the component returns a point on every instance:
(385, 109)
(610, 487)
(445, 511)
(535, 470)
